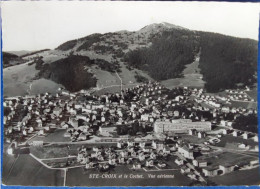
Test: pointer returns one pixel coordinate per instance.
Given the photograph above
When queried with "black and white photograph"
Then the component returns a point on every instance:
(129, 93)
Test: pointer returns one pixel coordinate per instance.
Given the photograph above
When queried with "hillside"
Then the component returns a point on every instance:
(10, 59)
(163, 52)
(227, 62)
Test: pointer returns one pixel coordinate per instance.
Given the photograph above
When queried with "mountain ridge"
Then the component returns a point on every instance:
(158, 51)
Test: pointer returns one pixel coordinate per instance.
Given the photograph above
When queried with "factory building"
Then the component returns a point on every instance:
(180, 126)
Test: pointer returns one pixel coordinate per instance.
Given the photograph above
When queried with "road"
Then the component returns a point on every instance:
(12, 166)
(120, 80)
(111, 86)
(49, 167)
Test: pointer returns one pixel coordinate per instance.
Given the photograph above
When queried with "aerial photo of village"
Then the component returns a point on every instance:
(159, 106)
(180, 136)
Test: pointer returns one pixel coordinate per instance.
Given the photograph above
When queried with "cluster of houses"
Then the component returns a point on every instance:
(226, 168)
(33, 115)
(203, 164)
(136, 155)
(165, 112)
(238, 95)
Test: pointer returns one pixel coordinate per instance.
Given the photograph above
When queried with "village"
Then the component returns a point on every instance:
(146, 128)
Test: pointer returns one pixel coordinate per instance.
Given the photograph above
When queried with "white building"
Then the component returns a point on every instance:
(180, 126)
(186, 152)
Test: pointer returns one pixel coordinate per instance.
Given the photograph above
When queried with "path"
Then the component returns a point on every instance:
(12, 166)
(61, 169)
(120, 80)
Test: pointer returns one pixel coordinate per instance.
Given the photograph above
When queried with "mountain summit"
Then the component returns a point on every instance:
(160, 51)
(160, 27)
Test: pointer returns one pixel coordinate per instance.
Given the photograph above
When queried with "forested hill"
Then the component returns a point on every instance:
(225, 62)
(10, 59)
(167, 56)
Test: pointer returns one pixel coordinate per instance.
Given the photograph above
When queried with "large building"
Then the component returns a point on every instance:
(180, 126)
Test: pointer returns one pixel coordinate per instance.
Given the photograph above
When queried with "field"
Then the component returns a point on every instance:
(192, 77)
(19, 80)
(240, 104)
(56, 136)
(230, 139)
(245, 177)
(228, 157)
(113, 89)
(193, 139)
(50, 151)
(24, 170)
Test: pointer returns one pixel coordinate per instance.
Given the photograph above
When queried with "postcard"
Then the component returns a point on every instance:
(117, 93)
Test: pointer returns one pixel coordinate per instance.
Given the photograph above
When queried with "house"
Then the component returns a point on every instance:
(107, 129)
(192, 132)
(24, 132)
(147, 149)
(254, 162)
(255, 138)
(167, 150)
(124, 154)
(130, 143)
(243, 146)
(223, 123)
(245, 135)
(57, 111)
(235, 133)
(83, 136)
(226, 131)
(141, 157)
(95, 149)
(89, 165)
(192, 176)
(200, 163)
(78, 106)
(119, 144)
(159, 145)
(226, 168)
(185, 169)
(149, 163)
(229, 123)
(73, 121)
(186, 152)
(41, 132)
(210, 171)
(152, 156)
(121, 160)
(145, 117)
(142, 144)
(137, 165)
(161, 164)
(112, 161)
(201, 134)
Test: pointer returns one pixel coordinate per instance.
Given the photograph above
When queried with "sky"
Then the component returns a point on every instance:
(35, 25)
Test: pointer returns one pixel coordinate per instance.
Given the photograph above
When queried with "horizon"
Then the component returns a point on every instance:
(123, 30)
(50, 28)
